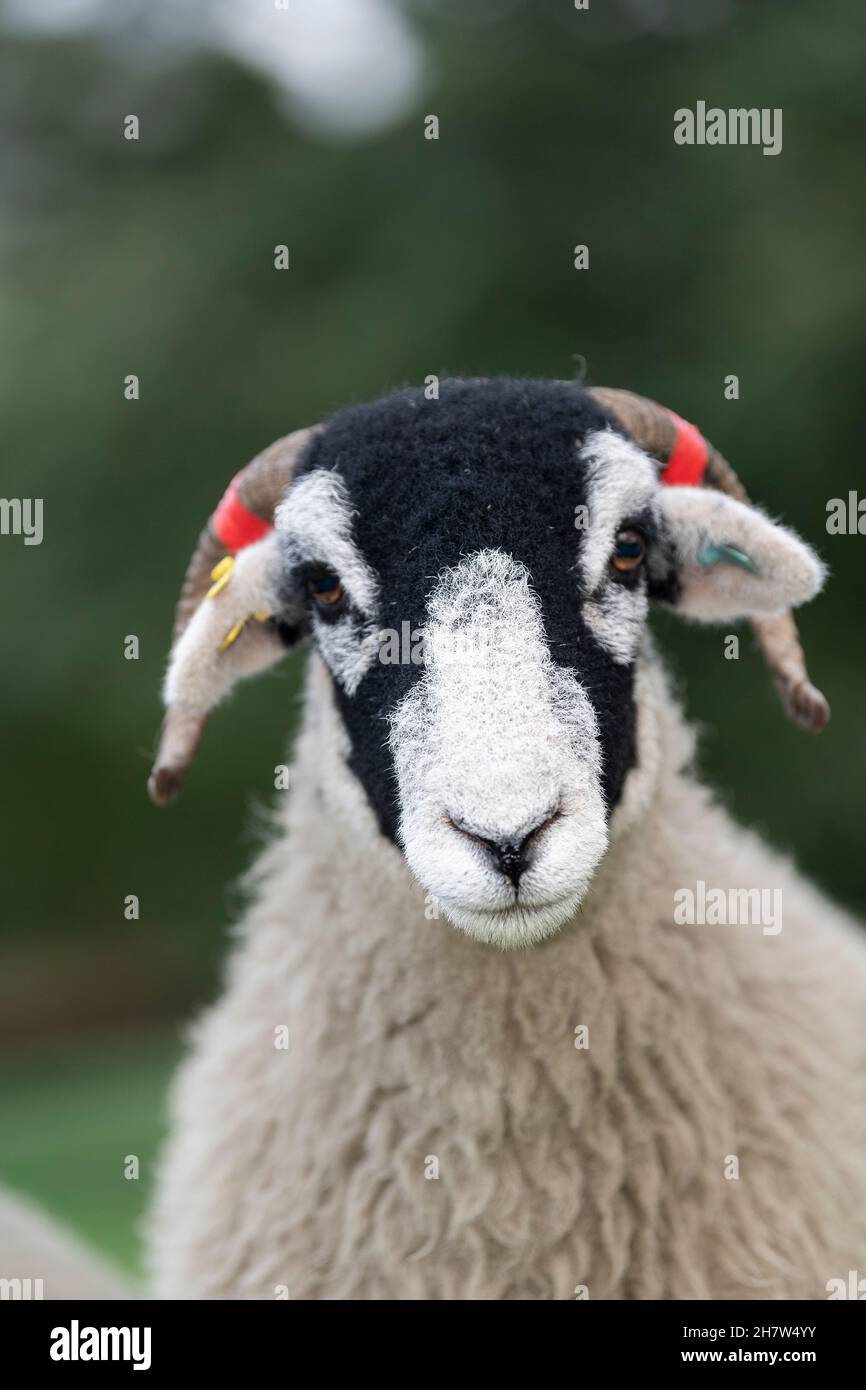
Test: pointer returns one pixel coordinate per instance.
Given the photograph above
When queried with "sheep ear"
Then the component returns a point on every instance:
(240, 628)
(727, 560)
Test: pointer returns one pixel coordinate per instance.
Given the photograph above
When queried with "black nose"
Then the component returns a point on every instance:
(511, 857)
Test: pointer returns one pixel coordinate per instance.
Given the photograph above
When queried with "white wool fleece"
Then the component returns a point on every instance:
(454, 1122)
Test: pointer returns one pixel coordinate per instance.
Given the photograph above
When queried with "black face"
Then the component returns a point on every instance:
(489, 465)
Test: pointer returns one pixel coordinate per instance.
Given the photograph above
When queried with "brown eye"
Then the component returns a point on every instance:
(628, 551)
(325, 589)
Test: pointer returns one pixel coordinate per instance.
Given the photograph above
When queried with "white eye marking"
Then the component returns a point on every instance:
(315, 519)
(621, 483)
(315, 522)
(616, 617)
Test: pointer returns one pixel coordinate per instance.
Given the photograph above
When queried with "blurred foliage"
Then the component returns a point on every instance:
(408, 257)
(74, 1113)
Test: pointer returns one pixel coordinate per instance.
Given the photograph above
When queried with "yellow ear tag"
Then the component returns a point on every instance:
(221, 573)
(232, 635)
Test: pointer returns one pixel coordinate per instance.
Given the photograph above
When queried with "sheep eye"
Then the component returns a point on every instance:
(325, 589)
(628, 551)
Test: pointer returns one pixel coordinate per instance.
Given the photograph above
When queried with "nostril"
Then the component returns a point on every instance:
(511, 860)
(511, 856)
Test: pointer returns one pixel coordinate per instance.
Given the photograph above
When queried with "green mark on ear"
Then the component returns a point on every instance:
(712, 554)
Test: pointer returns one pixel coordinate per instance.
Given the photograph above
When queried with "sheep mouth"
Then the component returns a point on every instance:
(516, 905)
(514, 925)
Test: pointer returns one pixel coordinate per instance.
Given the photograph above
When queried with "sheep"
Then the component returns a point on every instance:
(468, 1047)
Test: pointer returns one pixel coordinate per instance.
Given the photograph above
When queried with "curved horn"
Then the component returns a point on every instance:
(685, 456)
(204, 661)
(245, 514)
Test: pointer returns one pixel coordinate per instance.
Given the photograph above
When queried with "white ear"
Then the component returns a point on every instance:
(230, 635)
(731, 560)
(227, 636)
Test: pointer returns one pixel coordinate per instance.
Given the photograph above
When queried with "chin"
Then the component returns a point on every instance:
(516, 926)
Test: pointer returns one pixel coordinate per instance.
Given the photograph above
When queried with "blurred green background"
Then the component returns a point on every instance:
(408, 257)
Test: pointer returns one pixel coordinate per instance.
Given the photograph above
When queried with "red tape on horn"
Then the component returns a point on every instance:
(234, 524)
(688, 458)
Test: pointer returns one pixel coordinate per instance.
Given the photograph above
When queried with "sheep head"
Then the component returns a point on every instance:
(475, 571)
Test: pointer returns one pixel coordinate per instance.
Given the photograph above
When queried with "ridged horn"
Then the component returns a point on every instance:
(659, 432)
(244, 516)
(259, 488)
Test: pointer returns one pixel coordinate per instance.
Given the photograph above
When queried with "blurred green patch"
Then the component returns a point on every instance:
(74, 1110)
